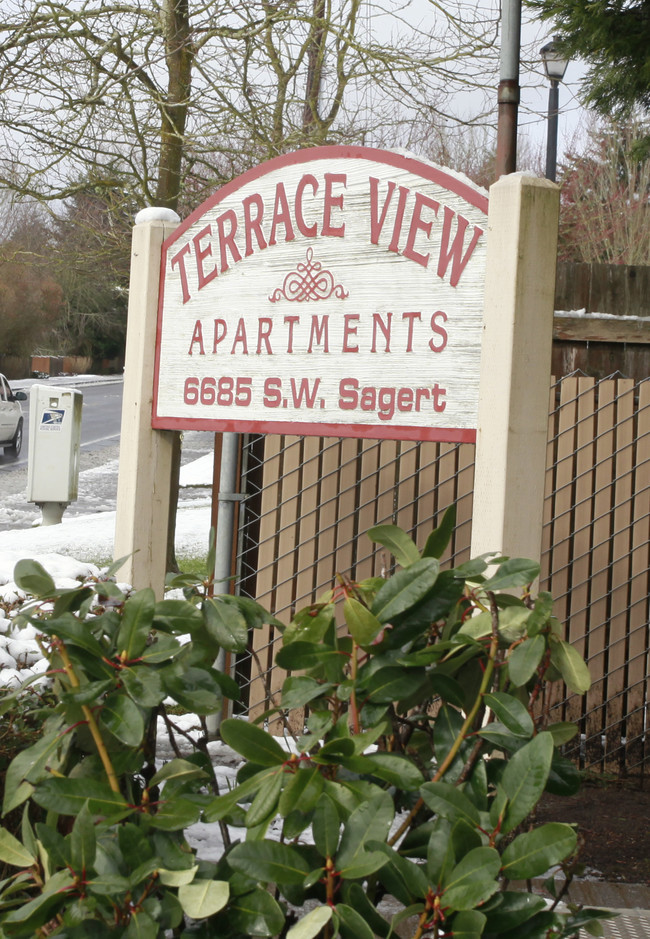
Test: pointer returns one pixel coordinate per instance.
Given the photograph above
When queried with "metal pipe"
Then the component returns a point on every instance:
(508, 100)
(510, 40)
(508, 92)
(227, 498)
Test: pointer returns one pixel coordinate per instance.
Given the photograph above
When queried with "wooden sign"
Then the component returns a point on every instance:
(331, 291)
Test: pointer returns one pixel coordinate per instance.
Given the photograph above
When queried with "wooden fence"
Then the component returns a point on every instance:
(312, 501)
(614, 335)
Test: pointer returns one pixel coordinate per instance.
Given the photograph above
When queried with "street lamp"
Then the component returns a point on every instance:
(555, 65)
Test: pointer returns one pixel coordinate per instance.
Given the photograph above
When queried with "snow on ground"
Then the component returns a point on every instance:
(205, 837)
(88, 537)
(67, 552)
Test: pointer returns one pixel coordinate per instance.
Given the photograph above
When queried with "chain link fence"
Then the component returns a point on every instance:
(310, 501)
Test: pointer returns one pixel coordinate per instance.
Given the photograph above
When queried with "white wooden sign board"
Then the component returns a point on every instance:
(331, 291)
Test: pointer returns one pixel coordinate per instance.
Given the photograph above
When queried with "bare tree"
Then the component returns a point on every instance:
(90, 260)
(605, 214)
(24, 226)
(30, 303)
(157, 92)
(30, 296)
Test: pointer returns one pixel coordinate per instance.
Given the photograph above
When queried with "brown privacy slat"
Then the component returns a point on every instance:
(347, 534)
(564, 477)
(427, 483)
(429, 489)
(459, 548)
(270, 519)
(309, 509)
(600, 573)
(620, 573)
(265, 640)
(369, 560)
(320, 497)
(446, 494)
(262, 639)
(546, 561)
(565, 445)
(580, 555)
(447, 486)
(327, 515)
(287, 542)
(382, 511)
(288, 533)
(547, 524)
(406, 491)
(387, 482)
(638, 679)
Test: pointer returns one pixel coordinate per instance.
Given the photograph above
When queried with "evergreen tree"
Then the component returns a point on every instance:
(613, 38)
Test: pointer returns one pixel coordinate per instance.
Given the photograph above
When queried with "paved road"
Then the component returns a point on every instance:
(100, 437)
(100, 422)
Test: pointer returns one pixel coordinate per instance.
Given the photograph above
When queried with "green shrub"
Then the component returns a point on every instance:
(424, 751)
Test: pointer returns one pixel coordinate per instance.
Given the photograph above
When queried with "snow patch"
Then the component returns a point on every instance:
(582, 314)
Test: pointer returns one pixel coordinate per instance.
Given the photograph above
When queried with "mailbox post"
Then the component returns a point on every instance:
(54, 443)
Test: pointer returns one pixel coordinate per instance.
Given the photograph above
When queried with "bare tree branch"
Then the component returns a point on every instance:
(173, 96)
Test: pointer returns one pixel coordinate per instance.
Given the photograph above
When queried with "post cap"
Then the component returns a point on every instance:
(156, 214)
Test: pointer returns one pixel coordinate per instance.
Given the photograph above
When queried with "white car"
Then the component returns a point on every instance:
(11, 419)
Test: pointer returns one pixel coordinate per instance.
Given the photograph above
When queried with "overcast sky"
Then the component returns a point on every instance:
(534, 90)
(533, 82)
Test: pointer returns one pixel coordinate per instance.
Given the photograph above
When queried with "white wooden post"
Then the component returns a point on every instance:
(144, 478)
(515, 367)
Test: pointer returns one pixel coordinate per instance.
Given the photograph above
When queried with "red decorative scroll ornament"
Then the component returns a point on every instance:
(308, 282)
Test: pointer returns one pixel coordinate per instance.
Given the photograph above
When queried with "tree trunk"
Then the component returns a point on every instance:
(179, 55)
(315, 59)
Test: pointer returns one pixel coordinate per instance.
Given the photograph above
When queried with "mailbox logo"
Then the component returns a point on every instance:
(52, 420)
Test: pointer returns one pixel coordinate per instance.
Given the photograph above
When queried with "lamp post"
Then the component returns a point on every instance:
(555, 65)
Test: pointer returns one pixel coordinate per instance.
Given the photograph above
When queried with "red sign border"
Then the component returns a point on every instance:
(314, 429)
(293, 428)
